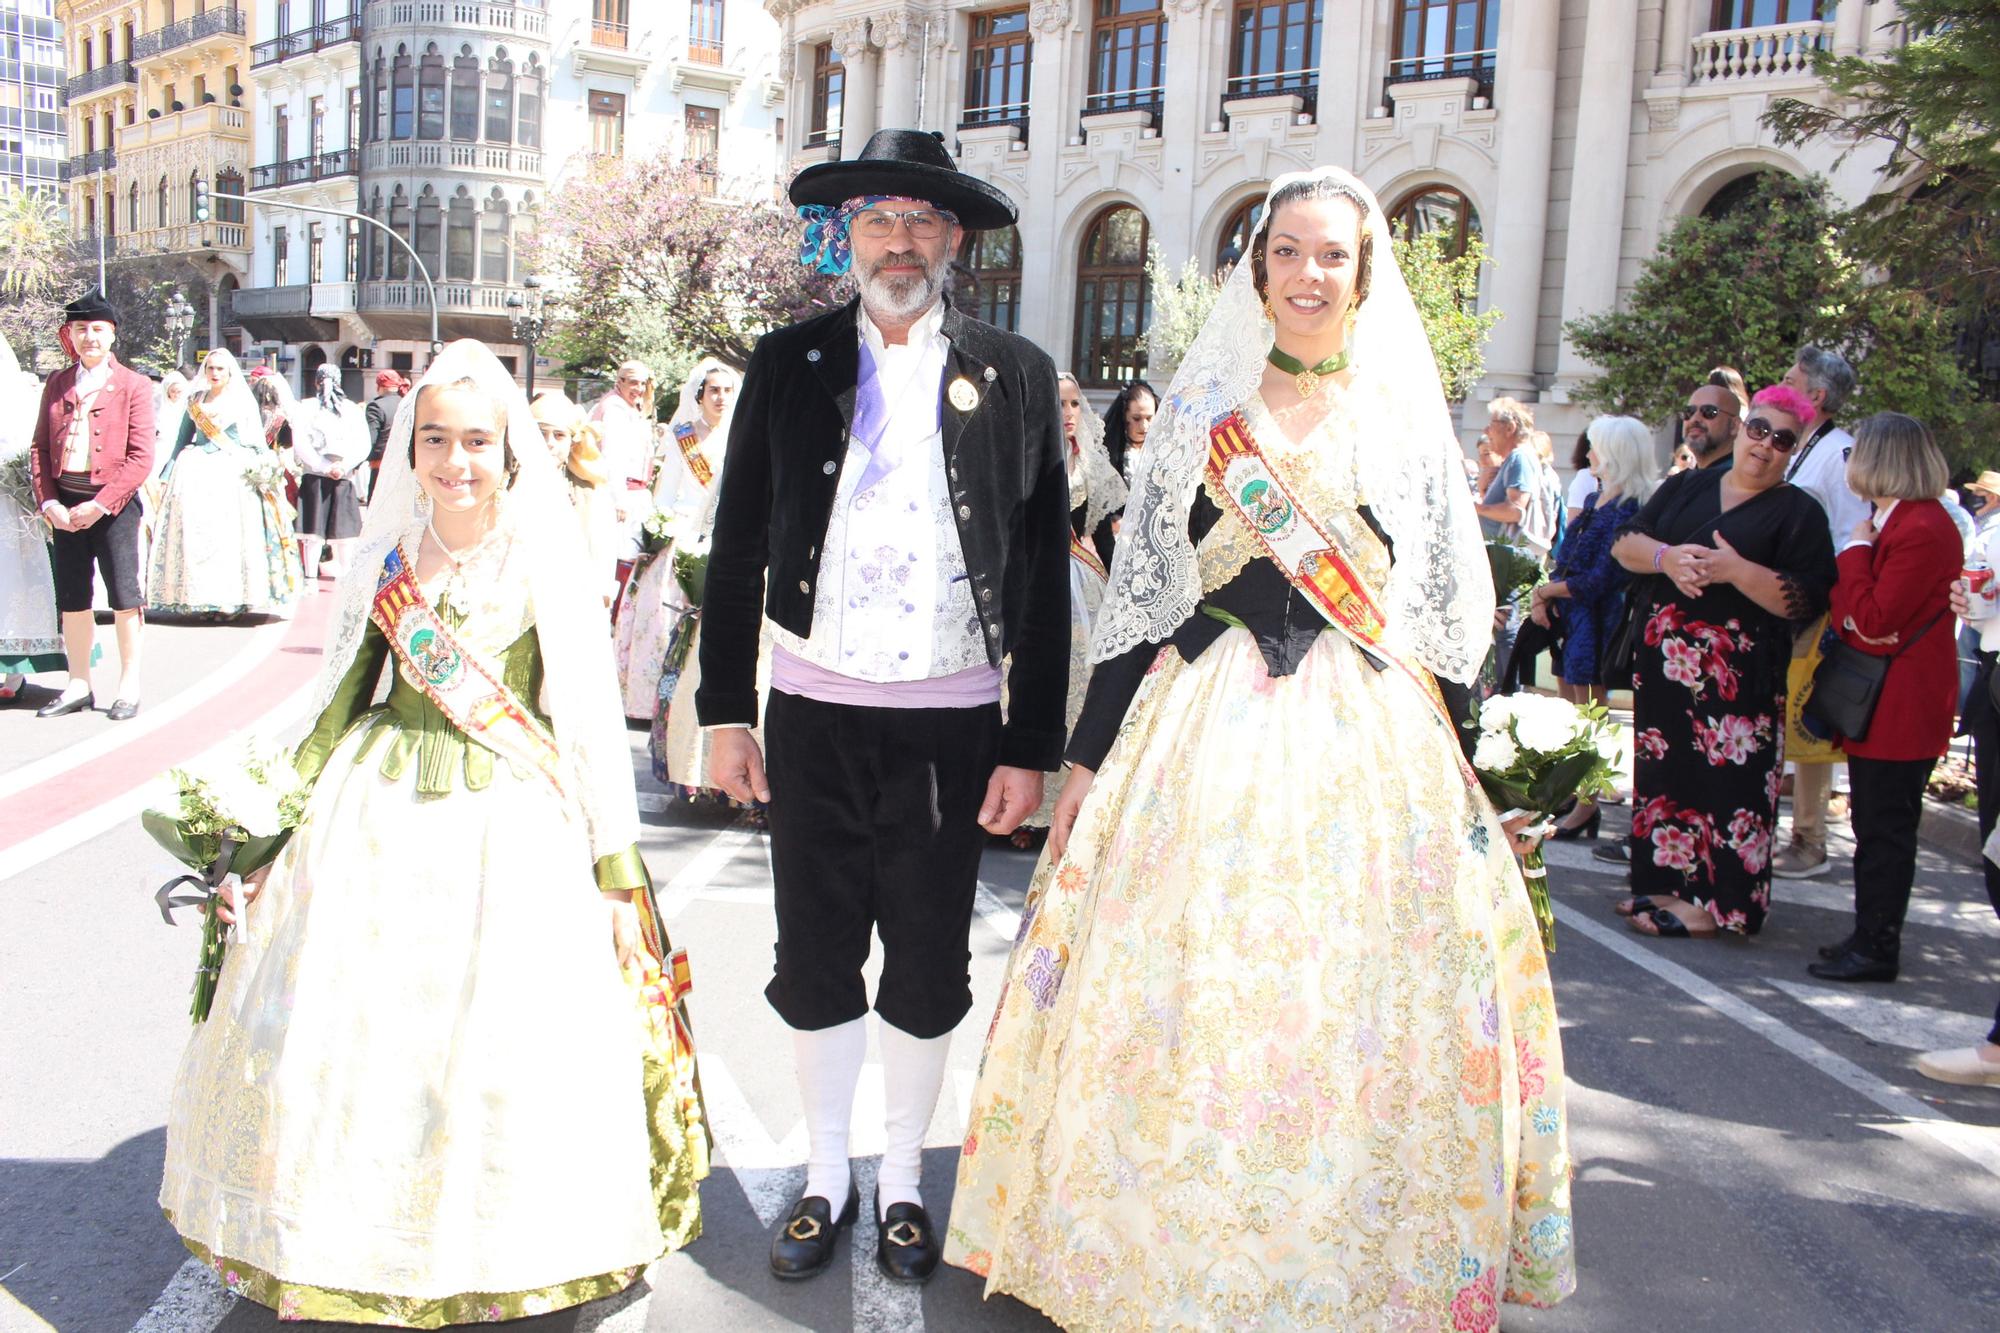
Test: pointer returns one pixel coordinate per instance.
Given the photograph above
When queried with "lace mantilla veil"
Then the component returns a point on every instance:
(1410, 470)
(537, 538)
(1104, 491)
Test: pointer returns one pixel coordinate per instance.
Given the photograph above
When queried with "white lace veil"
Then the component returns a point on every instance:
(234, 405)
(545, 545)
(1410, 470)
(689, 407)
(1104, 491)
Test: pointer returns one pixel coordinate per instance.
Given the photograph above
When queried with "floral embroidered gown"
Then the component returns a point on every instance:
(222, 541)
(1708, 683)
(421, 1096)
(1277, 1044)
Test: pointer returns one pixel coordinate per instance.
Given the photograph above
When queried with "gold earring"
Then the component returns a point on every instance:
(1269, 313)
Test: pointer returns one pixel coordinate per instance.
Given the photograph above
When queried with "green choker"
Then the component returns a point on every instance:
(1306, 378)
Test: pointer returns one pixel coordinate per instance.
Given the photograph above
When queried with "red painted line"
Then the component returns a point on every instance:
(76, 790)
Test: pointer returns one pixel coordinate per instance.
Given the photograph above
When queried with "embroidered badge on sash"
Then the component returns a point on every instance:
(691, 454)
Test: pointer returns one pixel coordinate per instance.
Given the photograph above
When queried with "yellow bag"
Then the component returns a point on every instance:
(1801, 746)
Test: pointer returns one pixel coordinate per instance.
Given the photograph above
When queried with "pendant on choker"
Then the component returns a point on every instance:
(1306, 379)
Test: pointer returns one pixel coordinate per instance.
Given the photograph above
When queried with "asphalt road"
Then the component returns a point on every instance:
(1754, 1148)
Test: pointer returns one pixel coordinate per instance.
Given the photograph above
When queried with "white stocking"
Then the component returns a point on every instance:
(912, 1075)
(829, 1062)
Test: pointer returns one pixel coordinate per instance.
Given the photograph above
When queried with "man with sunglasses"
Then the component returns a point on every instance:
(1818, 467)
(895, 503)
(1709, 423)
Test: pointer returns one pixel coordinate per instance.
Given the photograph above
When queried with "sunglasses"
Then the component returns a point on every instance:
(1709, 412)
(923, 224)
(1758, 429)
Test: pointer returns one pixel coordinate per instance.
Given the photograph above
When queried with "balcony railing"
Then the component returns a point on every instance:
(304, 170)
(1474, 65)
(454, 156)
(211, 118)
(216, 22)
(89, 164)
(97, 80)
(1000, 113)
(703, 52)
(333, 32)
(615, 36)
(527, 18)
(1302, 83)
(1737, 55)
(188, 237)
(1125, 99)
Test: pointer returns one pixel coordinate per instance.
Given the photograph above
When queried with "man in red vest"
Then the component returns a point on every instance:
(93, 450)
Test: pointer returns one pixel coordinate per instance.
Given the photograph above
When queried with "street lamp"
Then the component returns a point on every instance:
(180, 323)
(525, 313)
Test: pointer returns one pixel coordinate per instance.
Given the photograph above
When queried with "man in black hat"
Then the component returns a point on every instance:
(896, 469)
(93, 450)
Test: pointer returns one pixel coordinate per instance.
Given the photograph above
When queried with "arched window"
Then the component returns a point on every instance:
(110, 206)
(430, 95)
(1732, 195)
(992, 263)
(1234, 242)
(459, 237)
(495, 252)
(528, 113)
(399, 222)
(403, 107)
(430, 219)
(500, 98)
(1431, 208)
(377, 99)
(163, 203)
(229, 181)
(465, 96)
(1113, 302)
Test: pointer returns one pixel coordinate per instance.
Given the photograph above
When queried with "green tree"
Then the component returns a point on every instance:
(1748, 288)
(1445, 288)
(39, 274)
(1181, 304)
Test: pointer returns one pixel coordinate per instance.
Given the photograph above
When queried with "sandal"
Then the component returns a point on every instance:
(1667, 926)
(1634, 906)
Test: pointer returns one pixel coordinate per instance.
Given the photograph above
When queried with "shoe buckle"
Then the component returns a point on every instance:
(804, 1228)
(903, 1233)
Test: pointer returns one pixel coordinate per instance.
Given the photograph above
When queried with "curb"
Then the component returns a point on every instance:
(1951, 830)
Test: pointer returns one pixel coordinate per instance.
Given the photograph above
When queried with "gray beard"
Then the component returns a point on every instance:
(900, 300)
(1714, 450)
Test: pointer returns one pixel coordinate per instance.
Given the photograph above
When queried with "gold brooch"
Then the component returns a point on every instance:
(903, 1233)
(962, 395)
(804, 1228)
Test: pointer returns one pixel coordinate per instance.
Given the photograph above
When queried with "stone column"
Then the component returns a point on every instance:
(1052, 119)
(1597, 179)
(857, 96)
(1849, 27)
(1526, 99)
(1884, 23)
(1190, 101)
(1676, 18)
(900, 34)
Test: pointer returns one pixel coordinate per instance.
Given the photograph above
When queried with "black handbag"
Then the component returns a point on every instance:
(1847, 684)
(1614, 666)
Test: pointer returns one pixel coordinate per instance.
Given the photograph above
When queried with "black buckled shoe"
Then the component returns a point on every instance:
(906, 1243)
(61, 707)
(804, 1244)
(1829, 952)
(1855, 966)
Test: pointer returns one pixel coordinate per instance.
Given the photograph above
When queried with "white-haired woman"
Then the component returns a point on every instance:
(1278, 1042)
(425, 1093)
(1586, 593)
(222, 544)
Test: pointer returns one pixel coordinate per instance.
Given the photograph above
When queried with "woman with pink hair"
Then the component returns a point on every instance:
(1731, 561)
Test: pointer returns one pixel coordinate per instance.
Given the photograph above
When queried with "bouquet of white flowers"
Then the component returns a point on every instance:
(1534, 753)
(229, 813)
(265, 473)
(658, 530)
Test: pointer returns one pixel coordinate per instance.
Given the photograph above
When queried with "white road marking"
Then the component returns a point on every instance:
(258, 647)
(1004, 920)
(694, 877)
(771, 1173)
(1913, 1027)
(1965, 917)
(193, 1302)
(1976, 1143)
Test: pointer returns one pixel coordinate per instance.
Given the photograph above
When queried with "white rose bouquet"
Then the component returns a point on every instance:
(225, 815)
(1534, 753)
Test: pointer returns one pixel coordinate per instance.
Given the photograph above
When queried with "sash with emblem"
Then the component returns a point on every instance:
(1310, 559)
(1079, 551)
(207, 425)
(464, 688)
(691, 454)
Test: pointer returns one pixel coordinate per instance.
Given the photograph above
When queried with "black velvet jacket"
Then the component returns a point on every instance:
(1009, 493)
(1282, 620)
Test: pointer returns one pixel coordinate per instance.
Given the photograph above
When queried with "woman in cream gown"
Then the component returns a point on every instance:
(30, 630)
(1277, 1046)
(222, 540)
(425, 1094)
(654, 602)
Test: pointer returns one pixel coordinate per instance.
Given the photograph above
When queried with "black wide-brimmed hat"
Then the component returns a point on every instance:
(912, 164)
(91, 305)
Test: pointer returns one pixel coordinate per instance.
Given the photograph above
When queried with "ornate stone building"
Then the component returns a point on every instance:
(1568, 132)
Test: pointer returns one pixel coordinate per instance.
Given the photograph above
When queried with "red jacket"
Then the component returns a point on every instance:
(121, 435)
(1886, 594)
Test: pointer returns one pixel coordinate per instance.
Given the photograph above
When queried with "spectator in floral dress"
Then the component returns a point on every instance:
(1741, 558)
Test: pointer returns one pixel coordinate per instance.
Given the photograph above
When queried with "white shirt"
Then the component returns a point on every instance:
(1581, 487)
(896, 604)
(628, 457)
(1821, 471)
(90, 381)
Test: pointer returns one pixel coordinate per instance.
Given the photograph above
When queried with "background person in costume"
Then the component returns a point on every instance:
(624, 419)
(451, 1112)
(223, 542)
(1277, 1034)
(92, 451)
(330, 438)
(572, 442)
(895, 479)
(653, 602)
(30, 629)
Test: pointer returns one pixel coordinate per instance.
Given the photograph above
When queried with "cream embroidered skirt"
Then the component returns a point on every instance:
(1277, 1047)
(419, 1098)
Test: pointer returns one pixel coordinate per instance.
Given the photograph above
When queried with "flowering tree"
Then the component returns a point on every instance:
(641, 258)
(38, 270)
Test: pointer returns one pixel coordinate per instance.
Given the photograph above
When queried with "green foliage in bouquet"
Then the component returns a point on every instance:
(1515, 569)
(691, 572)
(656, 534)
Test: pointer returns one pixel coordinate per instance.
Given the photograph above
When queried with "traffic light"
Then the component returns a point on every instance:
(200, 200)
